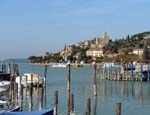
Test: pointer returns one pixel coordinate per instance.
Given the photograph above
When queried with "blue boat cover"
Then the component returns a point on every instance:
(42, 112)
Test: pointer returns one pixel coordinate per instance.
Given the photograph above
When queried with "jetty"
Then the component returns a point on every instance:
(134, 72)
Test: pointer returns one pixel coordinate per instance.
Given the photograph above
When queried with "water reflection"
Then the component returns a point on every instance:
(95, 106)
(134, 90)
(33, 99)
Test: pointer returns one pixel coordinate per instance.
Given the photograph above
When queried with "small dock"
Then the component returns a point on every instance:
(137, 72)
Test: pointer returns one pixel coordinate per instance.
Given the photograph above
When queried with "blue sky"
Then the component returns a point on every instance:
(31, 27)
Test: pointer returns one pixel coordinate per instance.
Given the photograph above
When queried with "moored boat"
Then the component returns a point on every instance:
(63, 65)
(5, 106)
(5, 84)
(42, 112)
(29, 78)
(2, 90)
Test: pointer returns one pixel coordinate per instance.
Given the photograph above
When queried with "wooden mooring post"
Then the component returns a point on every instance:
(56, 103)
(132, 73)
(118, 108)
(69, 87)
(45, 74)
(68, 80)
(26, 89)
(21, 98)
(16, 93)
(38, 82)
(14, 87)
(141, 72)
(12, 91)
(3, 68)
(148, 73)
(30, 94)
(9, 69)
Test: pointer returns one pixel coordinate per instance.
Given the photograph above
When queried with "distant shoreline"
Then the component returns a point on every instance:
(42, 64)
(72, 64)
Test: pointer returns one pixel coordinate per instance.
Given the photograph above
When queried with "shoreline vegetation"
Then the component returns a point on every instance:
(72, 64)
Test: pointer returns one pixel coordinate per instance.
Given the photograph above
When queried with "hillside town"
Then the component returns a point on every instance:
(100, 49)
(93, 48)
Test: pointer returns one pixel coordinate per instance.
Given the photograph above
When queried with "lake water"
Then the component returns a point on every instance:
(134, 96)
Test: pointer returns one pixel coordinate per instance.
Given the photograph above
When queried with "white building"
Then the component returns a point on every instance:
(95, 52)
(138, 51)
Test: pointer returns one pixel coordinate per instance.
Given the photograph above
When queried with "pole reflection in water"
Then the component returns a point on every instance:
(125, 89)
(34, 99)
(95, 105)
(68, 99)
(132, 89)
(30, 98)
(45, 76)
(41, 93)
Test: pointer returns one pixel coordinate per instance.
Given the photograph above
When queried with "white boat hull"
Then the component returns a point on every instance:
(5, 84)
(29, 78)
(63, 65)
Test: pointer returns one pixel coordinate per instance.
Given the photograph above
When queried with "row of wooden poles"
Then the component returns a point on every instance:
(16, 89)
(19, 96)
(15, 93)
(4, 68)
(88, 100)
(20, 91)
(106, 73)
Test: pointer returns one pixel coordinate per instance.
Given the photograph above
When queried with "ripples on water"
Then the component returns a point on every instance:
(134, 96)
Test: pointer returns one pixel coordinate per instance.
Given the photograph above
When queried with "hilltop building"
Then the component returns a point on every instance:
(96, 42)
(85, 44)
(100, 41)
(67, 51)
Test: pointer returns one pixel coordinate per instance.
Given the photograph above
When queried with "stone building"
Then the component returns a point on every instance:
(100, 41)
(95, 52)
